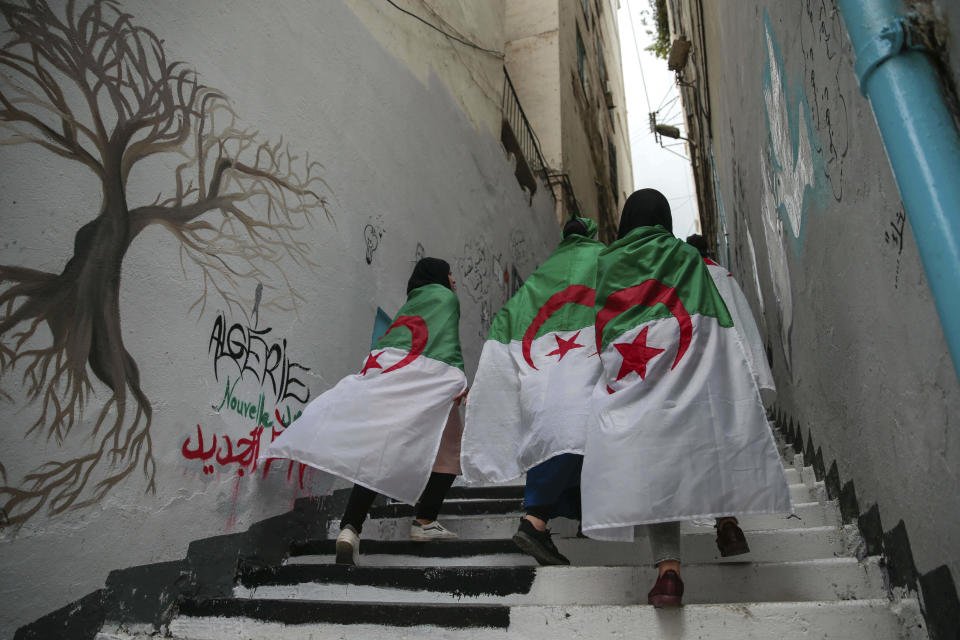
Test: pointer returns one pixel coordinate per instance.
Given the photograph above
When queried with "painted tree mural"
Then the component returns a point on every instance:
(91, 86)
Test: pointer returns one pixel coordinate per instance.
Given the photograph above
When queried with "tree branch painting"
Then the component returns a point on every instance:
(91, 86)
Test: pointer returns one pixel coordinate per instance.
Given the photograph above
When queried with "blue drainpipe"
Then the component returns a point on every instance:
(921, 140)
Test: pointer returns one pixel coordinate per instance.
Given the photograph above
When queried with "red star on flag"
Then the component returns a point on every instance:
(565, 345)
(371, 363)
(636, 355)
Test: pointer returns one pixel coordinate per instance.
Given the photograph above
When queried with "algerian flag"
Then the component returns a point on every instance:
(381, 427)
(680, 430)
(530, 399)
(746, 328)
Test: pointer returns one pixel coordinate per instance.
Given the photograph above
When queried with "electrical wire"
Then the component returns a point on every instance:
(675, 153)
(637, 49)
(499, 54)
(667, 95)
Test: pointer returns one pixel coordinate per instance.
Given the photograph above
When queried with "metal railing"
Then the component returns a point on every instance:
(526, 139)
(561, 181)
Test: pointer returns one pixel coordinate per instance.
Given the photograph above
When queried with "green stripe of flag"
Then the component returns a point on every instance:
(439, 308)
(573, 262)
(654, 253)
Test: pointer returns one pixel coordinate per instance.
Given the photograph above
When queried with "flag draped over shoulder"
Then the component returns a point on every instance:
(530, 399)
(746, 328)
(680, 430)
(381, 427)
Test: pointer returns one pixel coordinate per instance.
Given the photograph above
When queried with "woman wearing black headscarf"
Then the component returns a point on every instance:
(670, 443)
(645, 208)
(430, 271)
(382, 427)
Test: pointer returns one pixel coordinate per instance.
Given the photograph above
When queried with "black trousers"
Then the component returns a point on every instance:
(428, 507)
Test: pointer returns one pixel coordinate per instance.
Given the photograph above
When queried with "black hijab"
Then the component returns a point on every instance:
(699, 243)
(645, 208)
(429, 271)
(575, 226)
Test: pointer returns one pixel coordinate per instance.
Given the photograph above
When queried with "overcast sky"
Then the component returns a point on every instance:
(654, 166)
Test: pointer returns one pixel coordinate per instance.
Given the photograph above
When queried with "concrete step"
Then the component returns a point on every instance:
(516, 485)
(486, 527)
(453, 508)
(777, 545)
(226, 619)
(826, 579)
(473, 501)
(483, 492)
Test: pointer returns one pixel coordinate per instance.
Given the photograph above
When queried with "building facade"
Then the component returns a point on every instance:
(207, 210)
(797, 195)
(564, 59)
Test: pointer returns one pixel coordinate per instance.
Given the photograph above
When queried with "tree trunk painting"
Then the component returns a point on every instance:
(91, 86)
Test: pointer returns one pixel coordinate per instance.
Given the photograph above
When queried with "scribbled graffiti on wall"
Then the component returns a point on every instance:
(893, 238)
(372, 233)
(488, 278)
(474, 266)
(515, 281)
(520, 250)
(826, 47)
(95, 88)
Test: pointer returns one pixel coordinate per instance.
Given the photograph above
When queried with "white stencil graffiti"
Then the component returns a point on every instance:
(792, 163)
(756, 278)
(777, 257)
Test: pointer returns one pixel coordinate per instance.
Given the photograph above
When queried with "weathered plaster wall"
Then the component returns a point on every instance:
(532, 50)
(403, 171)
(573, 125)
(818, 238)
(584, 126)
(610, 42)
(472, 76)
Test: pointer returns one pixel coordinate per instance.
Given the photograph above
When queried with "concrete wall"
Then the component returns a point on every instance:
(267, 295)
(473, 77)
(818, 238)
(532, 49)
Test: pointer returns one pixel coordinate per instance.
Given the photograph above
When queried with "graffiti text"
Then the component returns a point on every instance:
(250, 352)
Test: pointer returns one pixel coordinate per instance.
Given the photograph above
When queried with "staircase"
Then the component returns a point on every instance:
(806, 577)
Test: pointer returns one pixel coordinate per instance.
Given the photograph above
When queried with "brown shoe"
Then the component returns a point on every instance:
(730, 539)
(667, 592)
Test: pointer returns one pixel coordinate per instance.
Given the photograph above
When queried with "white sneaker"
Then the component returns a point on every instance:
(432, 531)
(348, 547)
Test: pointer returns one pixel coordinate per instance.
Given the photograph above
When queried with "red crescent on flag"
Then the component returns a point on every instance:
(575, 294)
(647, 293)
(418, 339)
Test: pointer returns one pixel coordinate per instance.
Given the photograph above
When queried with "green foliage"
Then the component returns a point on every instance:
(660, 32)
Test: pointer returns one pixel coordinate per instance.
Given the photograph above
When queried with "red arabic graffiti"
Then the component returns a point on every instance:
(243, 453)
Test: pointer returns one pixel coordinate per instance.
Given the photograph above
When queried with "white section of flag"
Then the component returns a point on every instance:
(746, 328)
(683, 443)
(517, 416)
(379, 430)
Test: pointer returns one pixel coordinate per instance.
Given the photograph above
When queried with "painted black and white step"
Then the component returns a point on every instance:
(698, 547)
(309, 620)
(802, 579)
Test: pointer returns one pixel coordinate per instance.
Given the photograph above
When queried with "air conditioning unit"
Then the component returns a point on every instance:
(679, 51)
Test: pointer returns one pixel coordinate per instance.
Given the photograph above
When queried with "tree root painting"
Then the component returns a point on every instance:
(93, 87)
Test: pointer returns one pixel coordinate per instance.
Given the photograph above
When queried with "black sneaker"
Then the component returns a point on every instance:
(537, 544)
